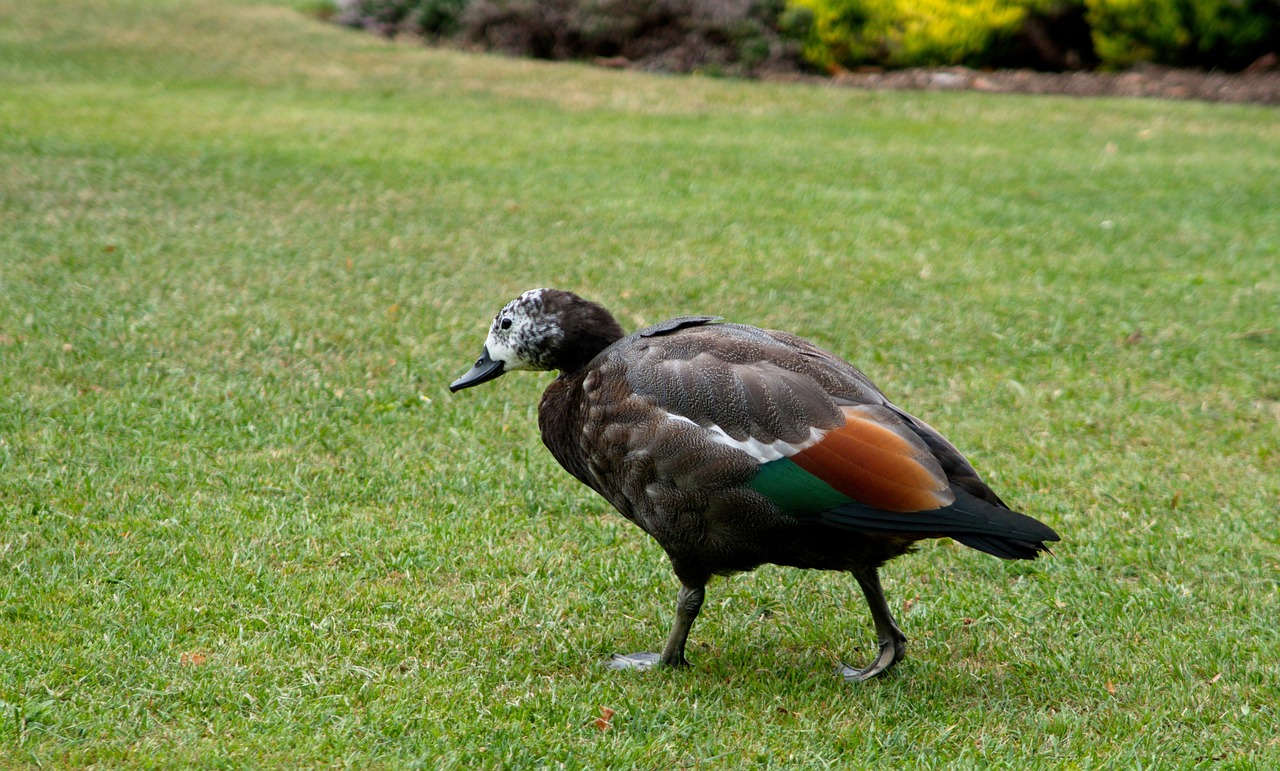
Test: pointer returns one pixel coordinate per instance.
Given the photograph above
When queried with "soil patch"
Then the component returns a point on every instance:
(1258, 85)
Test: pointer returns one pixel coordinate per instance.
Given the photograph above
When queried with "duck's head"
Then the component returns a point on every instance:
(542, 329)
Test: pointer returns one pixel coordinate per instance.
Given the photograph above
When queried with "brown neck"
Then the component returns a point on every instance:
(560, 422)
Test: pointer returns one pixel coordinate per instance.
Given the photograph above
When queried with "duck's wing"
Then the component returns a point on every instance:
(820, 431)
(825, 442)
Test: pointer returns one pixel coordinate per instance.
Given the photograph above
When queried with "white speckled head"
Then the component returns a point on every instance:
(542, 329)
(524, 334)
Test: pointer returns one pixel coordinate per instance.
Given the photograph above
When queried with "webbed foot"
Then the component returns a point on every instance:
(640, 661)
(891, 651)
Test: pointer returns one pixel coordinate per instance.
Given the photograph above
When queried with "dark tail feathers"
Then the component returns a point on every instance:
(971, 521)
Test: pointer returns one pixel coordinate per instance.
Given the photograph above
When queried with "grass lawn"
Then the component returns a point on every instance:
(243, 523)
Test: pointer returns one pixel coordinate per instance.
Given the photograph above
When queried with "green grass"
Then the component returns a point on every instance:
(242, 522)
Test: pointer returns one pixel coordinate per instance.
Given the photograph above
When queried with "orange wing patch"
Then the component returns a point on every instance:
(878, 462)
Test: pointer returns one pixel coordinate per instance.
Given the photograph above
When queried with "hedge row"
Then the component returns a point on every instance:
(732, 37)
(751, 36)
(1050, 34)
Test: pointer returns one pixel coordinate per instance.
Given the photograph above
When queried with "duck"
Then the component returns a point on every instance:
(735, 447)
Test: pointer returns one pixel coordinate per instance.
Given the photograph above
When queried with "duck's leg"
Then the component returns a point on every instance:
(893, 643)
(688, 603)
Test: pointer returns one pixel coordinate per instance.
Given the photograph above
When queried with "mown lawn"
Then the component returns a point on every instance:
(243, 523)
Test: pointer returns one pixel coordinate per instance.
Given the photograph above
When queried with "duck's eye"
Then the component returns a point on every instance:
(505, 324)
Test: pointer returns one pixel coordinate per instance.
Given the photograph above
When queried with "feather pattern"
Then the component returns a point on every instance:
(773, 399)
(810, 432)
(874, 459)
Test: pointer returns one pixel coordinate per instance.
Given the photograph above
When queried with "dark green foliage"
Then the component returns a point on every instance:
(1204, 33)
(435, 18)
(1054, 36)
(438, 16)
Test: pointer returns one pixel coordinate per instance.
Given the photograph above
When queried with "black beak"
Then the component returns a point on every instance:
(486, 369)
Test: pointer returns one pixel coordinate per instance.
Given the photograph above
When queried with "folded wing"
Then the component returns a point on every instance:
(828, 445)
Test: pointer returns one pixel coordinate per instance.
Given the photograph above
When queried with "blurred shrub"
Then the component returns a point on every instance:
(909, 33)
(1199, 33)
(1053, 36)
(432, 18)
(718, 36)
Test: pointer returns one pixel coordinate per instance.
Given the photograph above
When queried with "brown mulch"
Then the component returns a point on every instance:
(1259, 84)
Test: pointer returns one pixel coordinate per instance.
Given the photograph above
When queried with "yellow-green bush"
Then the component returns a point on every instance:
(901, 33)
(904, 33)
